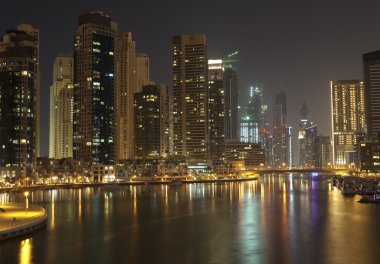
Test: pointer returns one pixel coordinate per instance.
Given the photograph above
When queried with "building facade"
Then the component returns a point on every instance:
(371, 72)
(282, 147)
(61, 108)
(231, 98)
(126, 87)
(151, 115)
(94, 47)
(190, 96)
(216, 108)
(323, 151)
(348, 119)
(18, 101)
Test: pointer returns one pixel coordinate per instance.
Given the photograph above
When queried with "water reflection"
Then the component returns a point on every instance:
(25, 256)
(281, 218)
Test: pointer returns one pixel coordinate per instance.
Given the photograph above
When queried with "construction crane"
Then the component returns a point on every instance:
(228, 61)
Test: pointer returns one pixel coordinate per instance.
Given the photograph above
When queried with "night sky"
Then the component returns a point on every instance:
(292, 46)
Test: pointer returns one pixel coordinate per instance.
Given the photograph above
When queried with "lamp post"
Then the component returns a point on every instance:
(26, 202)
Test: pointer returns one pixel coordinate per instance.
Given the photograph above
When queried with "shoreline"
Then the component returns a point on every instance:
(132, 183)
(14, 221)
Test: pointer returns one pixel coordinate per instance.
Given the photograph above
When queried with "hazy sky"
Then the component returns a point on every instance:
(292, 46)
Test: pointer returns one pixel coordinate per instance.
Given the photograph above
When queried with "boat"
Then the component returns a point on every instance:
(370, 199)
(348, 188)
(175, 183)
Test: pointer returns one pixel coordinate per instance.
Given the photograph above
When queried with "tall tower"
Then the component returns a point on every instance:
(302, 139)
(126, 87)
(142, 70)
(217, 111)
(61, 108)
(94, 89)
(35, 33)
(18, 100)
(190, 97)
(231, 98)
(151, 122)
(280, 110)
(371, 68)
(348, 119)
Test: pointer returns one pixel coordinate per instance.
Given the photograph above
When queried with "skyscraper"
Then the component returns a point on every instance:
(302, 139)
(61, 108)
(35, 33)
(322, 152)
(348, 119)
(94, 89)
(280, 110)
(190, 96)
(231, 98)
(151, 122)
(18, 100)
(282, 146)
(216, 107)
(309, 154)
(371, 70)
(126, 87)
(142, 70)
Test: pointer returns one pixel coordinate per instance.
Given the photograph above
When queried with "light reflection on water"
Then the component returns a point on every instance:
(281, 218)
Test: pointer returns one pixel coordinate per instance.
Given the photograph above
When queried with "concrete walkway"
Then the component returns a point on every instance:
(14, 220)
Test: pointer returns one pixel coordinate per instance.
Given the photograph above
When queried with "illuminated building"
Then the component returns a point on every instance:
(35, 33)
(126, 87)
(282, 147)
(93, 141)
(371, 68)
(322, 152)
(151, 122)
(369, 155)
(190, 96)
(348, 119)
(142, 70)
(309, 153)
(19, 98)
(61, 108)
(216, 108)
(231, 98)
(252, 155)
(249, 131)
(302, 140)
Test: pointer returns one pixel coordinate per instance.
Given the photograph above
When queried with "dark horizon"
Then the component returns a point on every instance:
(293, 47)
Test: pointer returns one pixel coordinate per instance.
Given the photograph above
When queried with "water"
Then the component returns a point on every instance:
(279, 219)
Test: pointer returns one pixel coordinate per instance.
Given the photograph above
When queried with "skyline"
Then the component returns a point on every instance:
(287, 55)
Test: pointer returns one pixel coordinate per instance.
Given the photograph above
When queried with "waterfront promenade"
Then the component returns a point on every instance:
(15, 220)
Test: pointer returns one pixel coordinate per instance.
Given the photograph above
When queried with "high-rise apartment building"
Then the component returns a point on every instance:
(309, 154)
(126, 87)
(61, 108)
(151, 122)
(216, 108)
(322, 152)
(35, 33)
(190, 96)
(142, 70)
(348, 119)
(371, 72)
(302, 139)
(282, 147)
(231, 98)
(94, 89)
(18, 100)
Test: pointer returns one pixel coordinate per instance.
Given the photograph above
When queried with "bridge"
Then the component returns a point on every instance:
(298, 170)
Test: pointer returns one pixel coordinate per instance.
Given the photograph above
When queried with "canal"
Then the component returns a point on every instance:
(282, 218)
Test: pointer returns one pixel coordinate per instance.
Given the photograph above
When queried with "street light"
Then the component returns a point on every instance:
(26, 202)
